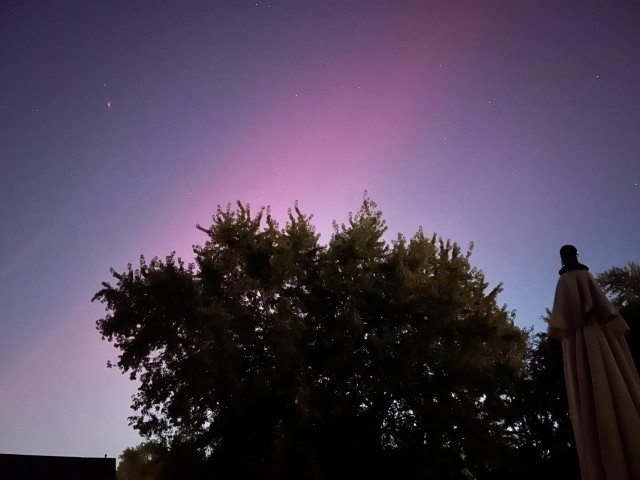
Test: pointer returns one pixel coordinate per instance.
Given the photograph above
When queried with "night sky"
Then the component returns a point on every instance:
(123, 124)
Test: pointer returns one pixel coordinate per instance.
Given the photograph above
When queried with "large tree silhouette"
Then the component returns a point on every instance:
(274, 356)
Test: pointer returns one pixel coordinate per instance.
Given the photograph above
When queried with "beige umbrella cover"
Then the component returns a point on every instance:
(602, 381)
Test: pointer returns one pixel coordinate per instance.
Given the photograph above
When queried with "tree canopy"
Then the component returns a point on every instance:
(274, 356)
(622, 286)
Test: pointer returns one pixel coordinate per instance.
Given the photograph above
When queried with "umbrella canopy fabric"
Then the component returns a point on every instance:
(602, 382)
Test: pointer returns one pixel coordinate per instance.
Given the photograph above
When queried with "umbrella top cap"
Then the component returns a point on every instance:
(569, 255)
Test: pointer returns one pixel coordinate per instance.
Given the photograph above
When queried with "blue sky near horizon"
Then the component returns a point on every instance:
(512, 125)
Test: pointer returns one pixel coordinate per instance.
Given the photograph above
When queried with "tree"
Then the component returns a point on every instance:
(276, 357)
(543, 429)
(154, 461)
(144, 462)
(622, 286)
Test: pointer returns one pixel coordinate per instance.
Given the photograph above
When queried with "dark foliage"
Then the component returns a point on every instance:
(545, 441)
(276, 357)
(622, 285)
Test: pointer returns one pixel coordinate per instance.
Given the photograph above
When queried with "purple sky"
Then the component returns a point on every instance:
(515, 125)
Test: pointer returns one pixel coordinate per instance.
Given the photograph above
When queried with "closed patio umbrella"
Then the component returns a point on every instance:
(601, 379)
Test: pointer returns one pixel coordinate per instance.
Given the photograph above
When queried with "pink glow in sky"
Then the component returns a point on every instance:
(510, 124)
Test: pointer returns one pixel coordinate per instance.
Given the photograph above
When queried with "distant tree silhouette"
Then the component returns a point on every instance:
(622, 286)
(276, 357)
(144, 462)
(155, 461)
